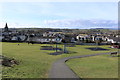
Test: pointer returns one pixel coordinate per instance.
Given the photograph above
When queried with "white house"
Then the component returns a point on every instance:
(112, 39)
(44, 39)
(14, 38)
(18, 38)
(82, 37)
(22, 37)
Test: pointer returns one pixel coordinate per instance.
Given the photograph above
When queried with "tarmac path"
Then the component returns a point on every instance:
(61, 70)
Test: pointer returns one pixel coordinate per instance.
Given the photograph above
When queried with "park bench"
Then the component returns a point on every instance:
(114, 53)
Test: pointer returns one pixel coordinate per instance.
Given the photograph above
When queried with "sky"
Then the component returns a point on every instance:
(58, 14)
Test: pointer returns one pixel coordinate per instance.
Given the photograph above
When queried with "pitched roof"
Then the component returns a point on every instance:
(117, 39)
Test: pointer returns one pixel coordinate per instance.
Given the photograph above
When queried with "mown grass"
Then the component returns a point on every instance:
(103, 66)
(36, 63)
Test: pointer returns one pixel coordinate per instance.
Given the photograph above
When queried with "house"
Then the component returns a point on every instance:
(73, 40)
(85, 38)
(112, 39)
(15, 38)
(23, 37)
(49, 34)
(44, 39)
(98, 38)
(6, 38)
(11, 35)
(19, 38)
(1, 37)
(90, 38)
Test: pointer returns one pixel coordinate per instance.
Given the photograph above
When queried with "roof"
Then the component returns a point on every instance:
(117, 39)
(44, 37)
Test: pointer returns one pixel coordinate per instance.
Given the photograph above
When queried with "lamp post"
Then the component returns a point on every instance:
(28, 36)
(64, 47)
(56, 43)
(56, 46)
(97, 43)
(65, 50)
(118, 49)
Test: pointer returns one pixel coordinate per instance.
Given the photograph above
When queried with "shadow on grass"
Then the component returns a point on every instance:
(97, 49)
(62, 52)
(56, 53)
(49, 48)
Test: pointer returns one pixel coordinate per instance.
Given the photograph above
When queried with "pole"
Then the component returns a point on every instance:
(56, 46)
(96, 44)
(64, 48)
(28, 39)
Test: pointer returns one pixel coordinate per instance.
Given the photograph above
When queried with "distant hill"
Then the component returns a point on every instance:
(107, 28)
(114, 28)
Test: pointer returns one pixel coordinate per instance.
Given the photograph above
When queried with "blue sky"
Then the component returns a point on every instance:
(40, 14)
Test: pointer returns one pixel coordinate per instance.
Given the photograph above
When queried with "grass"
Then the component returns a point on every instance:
(36, 63)
(103, 66)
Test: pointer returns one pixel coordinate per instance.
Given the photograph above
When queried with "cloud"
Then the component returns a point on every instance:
(67, 23)
(18, 25)
(59, 14)
(81, 23)
(59, 0)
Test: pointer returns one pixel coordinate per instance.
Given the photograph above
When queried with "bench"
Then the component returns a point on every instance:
(114, 53)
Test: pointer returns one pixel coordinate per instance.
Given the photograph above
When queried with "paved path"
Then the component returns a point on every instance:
(61, 70)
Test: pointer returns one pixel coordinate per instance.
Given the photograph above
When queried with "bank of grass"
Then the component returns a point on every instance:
(103, 66)
(35, 63)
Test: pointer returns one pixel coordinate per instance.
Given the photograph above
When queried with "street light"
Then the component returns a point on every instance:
(56, 46)
(56, 42)
(97, 39)
(64, 48)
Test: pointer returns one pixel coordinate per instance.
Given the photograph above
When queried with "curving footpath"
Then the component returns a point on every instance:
(61, 70)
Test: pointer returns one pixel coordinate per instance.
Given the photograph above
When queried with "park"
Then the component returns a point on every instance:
(46, 39)
(33, 62)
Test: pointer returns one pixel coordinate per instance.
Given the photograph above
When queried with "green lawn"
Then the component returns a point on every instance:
(95, 67)
(35, 63)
